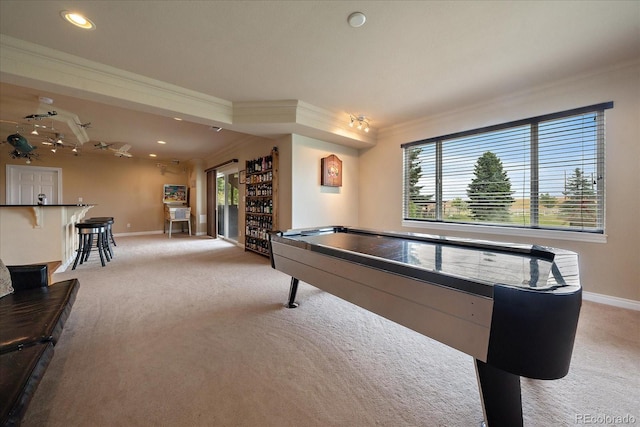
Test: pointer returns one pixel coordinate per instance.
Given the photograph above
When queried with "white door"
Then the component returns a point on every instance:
(24, 183)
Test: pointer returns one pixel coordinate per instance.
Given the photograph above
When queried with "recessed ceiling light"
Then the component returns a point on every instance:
(152, 155)
(78, 20)
(161, 142)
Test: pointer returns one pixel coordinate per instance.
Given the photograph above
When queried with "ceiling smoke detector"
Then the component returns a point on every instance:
(357, 19)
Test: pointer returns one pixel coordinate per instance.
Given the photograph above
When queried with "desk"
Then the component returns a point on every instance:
(514, 308)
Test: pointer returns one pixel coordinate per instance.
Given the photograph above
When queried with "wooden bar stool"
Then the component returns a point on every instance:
(86, 234)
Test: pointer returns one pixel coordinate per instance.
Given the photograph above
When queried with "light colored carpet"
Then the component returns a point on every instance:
(192, 331)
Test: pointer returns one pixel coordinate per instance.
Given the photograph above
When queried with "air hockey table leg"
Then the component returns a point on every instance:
(500, 395)
(292, 293)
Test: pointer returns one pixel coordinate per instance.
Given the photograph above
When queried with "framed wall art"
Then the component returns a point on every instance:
(331, 167)
(174, 193)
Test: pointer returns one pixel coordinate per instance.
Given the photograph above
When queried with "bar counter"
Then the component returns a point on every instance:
(39, 233)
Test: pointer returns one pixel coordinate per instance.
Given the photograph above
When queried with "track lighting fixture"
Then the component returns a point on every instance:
(361, 122)
(34, 131)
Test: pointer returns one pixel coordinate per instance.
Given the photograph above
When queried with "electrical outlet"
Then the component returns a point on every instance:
(128, 225)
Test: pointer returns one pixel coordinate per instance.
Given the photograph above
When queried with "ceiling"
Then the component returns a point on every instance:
(410, 60)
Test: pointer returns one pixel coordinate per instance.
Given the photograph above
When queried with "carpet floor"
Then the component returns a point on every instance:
(192, 331)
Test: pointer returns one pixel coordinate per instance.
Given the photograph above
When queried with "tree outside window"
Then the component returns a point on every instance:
(490, 190)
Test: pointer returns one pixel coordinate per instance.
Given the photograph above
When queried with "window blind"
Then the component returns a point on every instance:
(542, 172)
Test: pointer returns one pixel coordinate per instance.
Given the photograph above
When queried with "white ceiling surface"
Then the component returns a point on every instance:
(409, 61)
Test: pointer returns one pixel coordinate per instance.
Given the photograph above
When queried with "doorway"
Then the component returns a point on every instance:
(228, 198)
(25, 183)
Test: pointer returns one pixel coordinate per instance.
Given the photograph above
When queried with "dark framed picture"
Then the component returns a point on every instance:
(331, 167)
(243, 176)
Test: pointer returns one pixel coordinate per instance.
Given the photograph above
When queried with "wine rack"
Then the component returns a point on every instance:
(261, 202)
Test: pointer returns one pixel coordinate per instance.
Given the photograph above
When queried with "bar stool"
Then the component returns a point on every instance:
(86, 233)
(107, 221)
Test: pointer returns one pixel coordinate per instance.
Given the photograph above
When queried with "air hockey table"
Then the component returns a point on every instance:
(514, 308)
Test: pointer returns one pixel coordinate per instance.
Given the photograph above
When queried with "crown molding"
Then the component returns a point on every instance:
(283, 111)
(302, 118)
(28, 61)
(25, 63)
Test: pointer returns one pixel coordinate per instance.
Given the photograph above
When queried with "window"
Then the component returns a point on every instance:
(545, 172)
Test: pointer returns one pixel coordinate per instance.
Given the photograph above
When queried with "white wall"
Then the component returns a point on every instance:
(611, 268)
(313, 205)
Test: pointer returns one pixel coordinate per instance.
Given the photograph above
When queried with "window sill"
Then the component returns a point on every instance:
(575, 236)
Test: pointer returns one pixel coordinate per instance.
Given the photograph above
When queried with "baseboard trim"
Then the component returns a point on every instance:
(614, 301)
(138, 233)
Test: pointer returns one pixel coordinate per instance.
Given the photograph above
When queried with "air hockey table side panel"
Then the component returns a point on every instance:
(455, 318)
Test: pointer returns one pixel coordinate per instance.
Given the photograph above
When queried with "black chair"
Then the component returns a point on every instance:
(109, 221)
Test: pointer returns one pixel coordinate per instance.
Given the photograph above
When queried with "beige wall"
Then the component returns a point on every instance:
(611, 268)
(302, 201)
(128, 189)
(314, 205)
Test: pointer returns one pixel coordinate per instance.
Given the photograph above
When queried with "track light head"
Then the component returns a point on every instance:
(361, 122)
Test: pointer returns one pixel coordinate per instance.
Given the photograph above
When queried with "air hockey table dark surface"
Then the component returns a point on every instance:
(513, 307)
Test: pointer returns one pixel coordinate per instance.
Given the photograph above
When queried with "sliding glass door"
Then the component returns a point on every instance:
(228, 198)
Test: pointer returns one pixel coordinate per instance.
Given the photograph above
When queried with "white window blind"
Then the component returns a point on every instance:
(542, 172)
